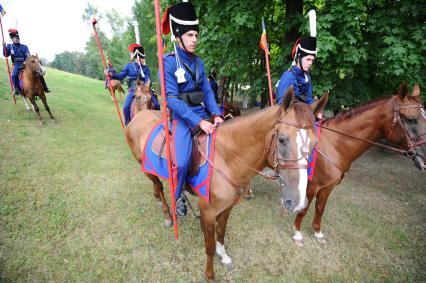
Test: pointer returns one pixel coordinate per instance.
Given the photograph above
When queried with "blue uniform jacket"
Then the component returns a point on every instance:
(132, 71)
(302, 88)
(19, 52)
(191, 114)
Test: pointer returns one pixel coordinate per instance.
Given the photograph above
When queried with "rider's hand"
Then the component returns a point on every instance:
(106, 73)
(206, 126)
(217, 121)
(4, 43)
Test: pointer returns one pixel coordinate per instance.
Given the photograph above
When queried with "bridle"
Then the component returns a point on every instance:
(273, 157)
(411, 142)
(397, 122)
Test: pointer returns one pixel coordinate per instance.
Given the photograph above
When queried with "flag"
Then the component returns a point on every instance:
(263, 41)
(2, 11)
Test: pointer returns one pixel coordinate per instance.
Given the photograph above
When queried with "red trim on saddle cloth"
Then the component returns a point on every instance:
(315, 153)
(144, 159)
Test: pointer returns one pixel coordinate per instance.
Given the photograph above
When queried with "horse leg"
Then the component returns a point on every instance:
(161, 200)
(35, 107)
(320, 203)
(26, 103)
(43, 99)
(298, 237)
(208, 223)
(222, 219)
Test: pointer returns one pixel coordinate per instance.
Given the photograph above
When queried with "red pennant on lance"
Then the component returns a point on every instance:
(263, 40)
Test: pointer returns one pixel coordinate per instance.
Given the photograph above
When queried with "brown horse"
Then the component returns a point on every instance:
(279, 137)
(116, 85)
(399, 119)
(142, 100)
(32, 86)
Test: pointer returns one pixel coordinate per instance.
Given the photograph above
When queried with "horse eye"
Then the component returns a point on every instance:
(281, 140)
(411, 121)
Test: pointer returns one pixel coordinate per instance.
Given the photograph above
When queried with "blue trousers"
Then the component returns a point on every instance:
(181, 148)
(127, 104)
(15, 75)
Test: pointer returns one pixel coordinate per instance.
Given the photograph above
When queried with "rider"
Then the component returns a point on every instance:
(304, 52)
(135, 69)
(18, 53)
(189, 95)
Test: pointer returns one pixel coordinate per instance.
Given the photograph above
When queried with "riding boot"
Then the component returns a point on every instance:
(180, 207)
(16, 91)
(43, 82)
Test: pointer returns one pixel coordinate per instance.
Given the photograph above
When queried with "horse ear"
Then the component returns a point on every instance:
(37, 55)
(403, 90)
(319, 105)
(138, 82)
(148, 84)
(288, 98)
(416, 90)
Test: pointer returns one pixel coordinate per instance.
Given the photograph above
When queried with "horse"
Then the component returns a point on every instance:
(230, 110)
(31, 84)
(400, 119)
(143, 98)
(279, 137)
(116, 85)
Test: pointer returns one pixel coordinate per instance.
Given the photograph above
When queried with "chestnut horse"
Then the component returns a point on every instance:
(279, 137)
(142, 100)
(31, 84)
(116, 85)
(399, 119)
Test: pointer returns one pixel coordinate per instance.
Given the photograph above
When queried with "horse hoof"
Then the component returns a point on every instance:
(168, 223)
(229, 266)
(298, 243)
(321, 240)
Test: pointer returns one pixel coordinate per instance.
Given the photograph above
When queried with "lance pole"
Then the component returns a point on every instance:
(268, 67)
(7, 62)
(165, 116)
(107, 76)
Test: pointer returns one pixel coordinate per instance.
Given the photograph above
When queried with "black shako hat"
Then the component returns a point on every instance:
(181, 17)
(305, 46)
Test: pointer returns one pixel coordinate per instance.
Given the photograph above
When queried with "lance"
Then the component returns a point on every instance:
(264, 46)
(7, 61)
(165, 116)
(94, 21)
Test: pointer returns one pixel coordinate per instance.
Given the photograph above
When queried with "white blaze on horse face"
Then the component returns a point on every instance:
(302, 142)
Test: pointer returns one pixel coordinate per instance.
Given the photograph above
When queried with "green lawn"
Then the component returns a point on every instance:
(74, 207)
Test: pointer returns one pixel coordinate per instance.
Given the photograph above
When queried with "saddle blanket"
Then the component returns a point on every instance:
(154, 160)
(313, 157)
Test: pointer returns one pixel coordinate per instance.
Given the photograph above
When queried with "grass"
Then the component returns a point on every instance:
(74, 207)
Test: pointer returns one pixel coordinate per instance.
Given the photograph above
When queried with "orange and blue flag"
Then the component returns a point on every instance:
(2, 11)
(263, 41)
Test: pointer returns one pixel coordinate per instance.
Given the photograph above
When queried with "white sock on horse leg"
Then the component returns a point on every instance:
(220, 251)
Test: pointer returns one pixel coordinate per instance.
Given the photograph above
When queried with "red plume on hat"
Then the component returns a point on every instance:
(293, 52)
(132, 47)
(165, 25)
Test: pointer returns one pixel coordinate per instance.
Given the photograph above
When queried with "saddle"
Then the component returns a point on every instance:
(199, 141)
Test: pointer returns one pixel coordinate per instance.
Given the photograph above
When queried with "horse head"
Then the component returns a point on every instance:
(289, 145)
(143, 97)
(409, 124)
(34, 65)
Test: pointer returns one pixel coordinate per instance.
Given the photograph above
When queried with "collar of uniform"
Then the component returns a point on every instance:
(298, 70)
(184, 55)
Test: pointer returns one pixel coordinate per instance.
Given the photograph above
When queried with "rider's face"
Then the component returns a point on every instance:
(15, 39)
(189, 39)
(307, 62)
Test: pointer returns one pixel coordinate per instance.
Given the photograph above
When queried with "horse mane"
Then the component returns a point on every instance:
(359, 109)
(304, 113)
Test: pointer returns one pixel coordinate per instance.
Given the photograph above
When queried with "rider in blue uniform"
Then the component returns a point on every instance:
(135, 69)
(18, 53)
(304, 52)
(189, 96)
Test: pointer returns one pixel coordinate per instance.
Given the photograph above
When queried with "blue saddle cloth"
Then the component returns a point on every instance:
(154, 161)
